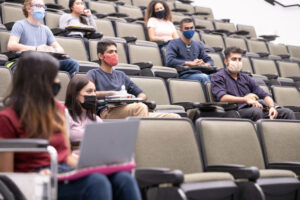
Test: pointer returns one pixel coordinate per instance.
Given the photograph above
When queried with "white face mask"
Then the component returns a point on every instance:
(235, 66)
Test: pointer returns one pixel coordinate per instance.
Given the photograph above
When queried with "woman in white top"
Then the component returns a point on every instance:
(77, 16)
(159, 22)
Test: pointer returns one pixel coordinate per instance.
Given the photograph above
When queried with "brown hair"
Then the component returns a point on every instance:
(75, 86)
(32, 95)
(27, 4)
(151, 10)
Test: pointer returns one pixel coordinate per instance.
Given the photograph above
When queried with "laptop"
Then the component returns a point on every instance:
(106, 148)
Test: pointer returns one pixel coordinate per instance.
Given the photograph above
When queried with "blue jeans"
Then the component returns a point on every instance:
(198, 77)
(69, 65)
(121, 186)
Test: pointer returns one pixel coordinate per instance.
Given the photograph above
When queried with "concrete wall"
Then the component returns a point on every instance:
(266, 18)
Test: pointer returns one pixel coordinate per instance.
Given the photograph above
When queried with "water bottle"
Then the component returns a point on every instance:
(123, 91)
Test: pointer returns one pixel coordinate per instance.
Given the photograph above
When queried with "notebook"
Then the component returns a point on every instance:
(106, 148)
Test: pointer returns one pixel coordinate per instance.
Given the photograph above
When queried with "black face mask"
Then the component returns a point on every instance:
(160, 14)
(56, 88)
(90, 102)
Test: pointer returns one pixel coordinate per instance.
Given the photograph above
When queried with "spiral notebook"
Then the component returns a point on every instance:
(106, 148)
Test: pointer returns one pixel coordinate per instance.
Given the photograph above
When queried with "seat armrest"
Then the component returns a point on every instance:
(151, 104)
(237, 171)
(292, 166)
(129, 19)
(201, 13)
(100, 15)
(271, 76)
(144, 65)
(130, 39)
(151, 177)
(218, 49)
(269, 37)
(241, 32)
(284, 56)
(54, 6)
(187, 105)
(182, 68)
(263, 54)
(120, 15)
(23, 143)
(161, 42)
(179, 10)
(120, 3)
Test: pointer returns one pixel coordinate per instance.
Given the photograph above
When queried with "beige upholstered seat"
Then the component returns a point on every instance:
(280, 140)
(171, 143)
(156, 90)
(228, 141)
(5, 82)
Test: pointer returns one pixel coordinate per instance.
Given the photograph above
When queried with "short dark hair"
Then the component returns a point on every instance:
(230, 50)
(185, 20)
(103, 44)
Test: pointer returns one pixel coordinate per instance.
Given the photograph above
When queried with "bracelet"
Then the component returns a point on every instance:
(271, 106)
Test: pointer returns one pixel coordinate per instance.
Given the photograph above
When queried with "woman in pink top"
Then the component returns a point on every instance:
(159, 22)
(81, 102)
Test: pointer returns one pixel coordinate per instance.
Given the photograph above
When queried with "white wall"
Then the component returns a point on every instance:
(266, 18)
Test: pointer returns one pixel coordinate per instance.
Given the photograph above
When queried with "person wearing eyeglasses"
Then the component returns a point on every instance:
(29, 34)
(185, 51)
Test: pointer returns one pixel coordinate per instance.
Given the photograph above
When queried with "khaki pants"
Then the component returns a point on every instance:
(134, 110)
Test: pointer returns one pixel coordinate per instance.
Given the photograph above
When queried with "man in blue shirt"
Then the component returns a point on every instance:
(229, 85)
(186, 52)
(109, 82)
(30, 34)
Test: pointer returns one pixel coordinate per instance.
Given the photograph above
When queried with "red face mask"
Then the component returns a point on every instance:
(111, 59)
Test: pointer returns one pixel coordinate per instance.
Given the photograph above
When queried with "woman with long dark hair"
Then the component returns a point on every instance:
(159, 22)
(81, 103)
(32, 112)
(79, 16)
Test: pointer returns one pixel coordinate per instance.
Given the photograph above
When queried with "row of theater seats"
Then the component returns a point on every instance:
(118, 27)
(144, 51)
(218, 145)
(174, 95)
(212, 160)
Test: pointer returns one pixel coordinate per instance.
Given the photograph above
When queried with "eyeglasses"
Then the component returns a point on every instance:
(39, 6)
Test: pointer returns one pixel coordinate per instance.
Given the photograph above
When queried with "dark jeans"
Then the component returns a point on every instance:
(255, 113)
(118, 186)
(69, 65)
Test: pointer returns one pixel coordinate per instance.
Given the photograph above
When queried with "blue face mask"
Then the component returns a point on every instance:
(188, 34)
(160, 14)
(38, 13)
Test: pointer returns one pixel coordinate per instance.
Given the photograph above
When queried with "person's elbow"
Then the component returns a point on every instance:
(10, 46)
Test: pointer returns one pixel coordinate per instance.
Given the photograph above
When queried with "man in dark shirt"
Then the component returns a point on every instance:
(109, 82)
(229, 85)
(186, 52)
